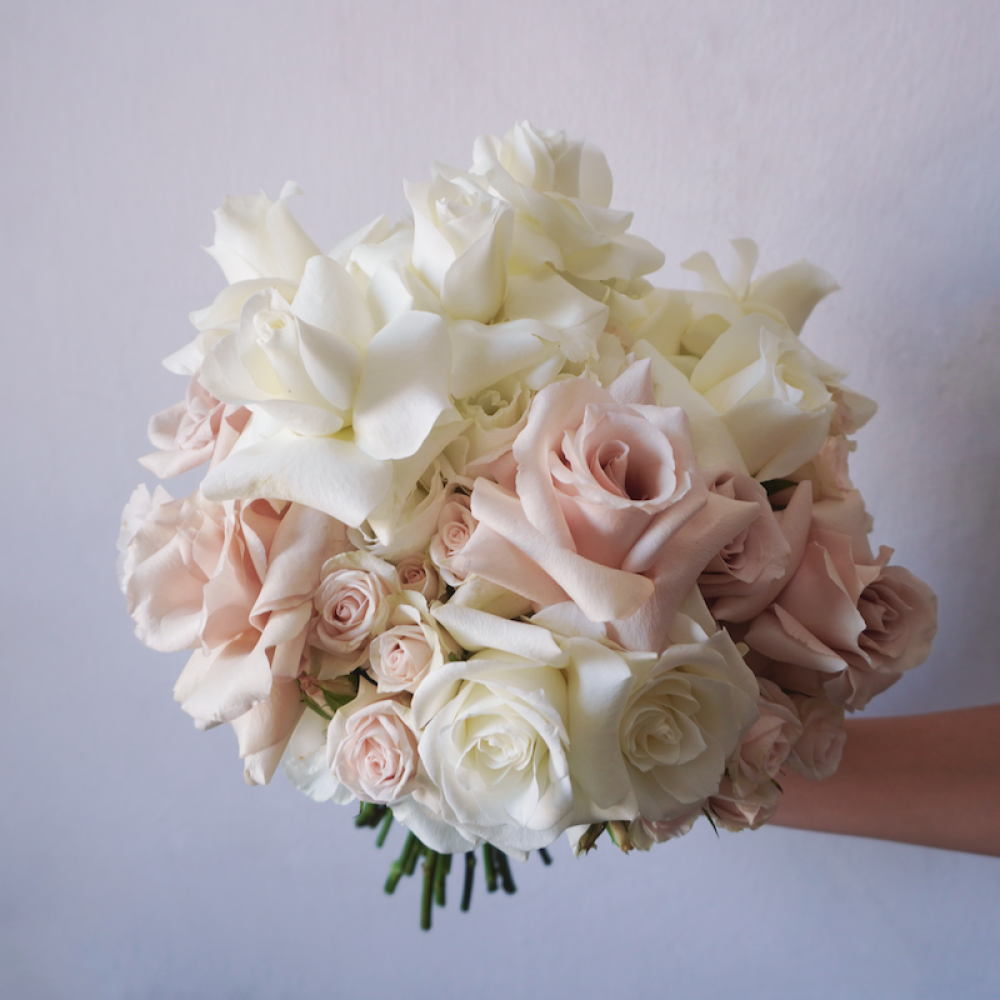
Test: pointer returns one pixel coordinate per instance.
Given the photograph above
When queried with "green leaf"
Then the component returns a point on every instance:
(311, 704)
(711, 820)
(337, 701)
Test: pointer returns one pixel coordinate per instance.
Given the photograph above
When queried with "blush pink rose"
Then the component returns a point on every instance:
(352, 607)
(851, 619)
(252, 679)
(371, 749)
(416, 572)
(644, 833)
(748, 811)
(400, 657)
(191, 569)
(828, 470)
(767, 743)
(609, 509)
(191, 432)
(454, 529)
(817, 752)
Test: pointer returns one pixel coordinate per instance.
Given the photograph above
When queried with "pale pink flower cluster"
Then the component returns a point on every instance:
(497, 533)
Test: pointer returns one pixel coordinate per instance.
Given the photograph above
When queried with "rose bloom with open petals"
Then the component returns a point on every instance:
(845, 618)
(371, 749)
(351, 601)
(609, 509)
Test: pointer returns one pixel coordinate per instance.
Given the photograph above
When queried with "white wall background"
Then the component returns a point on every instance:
(865, 136)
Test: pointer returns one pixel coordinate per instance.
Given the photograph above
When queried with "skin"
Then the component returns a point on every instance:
(932, 780)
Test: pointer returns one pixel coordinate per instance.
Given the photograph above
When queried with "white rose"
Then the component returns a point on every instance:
(301, 377)
(658, 729)
(461, 242)
(564, 187)
(258, 245)
(258, 238)
(497, 416)
(394, 530)
(493, 740)
(772, 393)
(789, 294)
(496, 750)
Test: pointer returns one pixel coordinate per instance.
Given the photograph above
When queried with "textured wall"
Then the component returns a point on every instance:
(866, 137)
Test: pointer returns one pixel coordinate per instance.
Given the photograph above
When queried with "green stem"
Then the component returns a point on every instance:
(503, 864)
(314, 706)
(489, 864)
(410, 864)
(384, 830)
(364, 814)
(397, 868)
(470, 871)
(440, 874)
(427, 900)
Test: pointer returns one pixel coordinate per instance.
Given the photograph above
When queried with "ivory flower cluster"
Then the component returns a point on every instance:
(498, 534)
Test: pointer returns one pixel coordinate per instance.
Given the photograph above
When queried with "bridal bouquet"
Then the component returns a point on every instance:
(504, 542)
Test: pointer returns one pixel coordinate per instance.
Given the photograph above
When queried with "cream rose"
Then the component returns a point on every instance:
(493, 739)
(685, 714)
(461, 242)
(772, 393)
(650, 733)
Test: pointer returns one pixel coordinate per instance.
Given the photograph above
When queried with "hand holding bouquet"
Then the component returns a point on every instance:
(504, 541)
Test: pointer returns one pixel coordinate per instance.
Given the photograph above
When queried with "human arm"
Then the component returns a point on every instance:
(932, 780)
